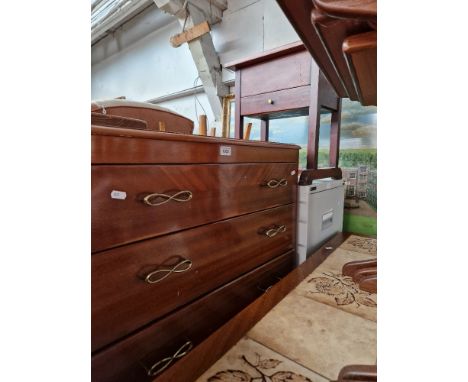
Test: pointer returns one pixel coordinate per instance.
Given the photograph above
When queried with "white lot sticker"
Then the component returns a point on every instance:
(225, 150)
(122, 195)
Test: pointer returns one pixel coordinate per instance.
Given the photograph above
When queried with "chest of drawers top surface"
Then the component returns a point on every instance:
(116, 146)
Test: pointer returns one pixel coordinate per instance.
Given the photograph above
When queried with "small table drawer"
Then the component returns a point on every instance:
(279, 73)
(275, 102)
(131, 203)
(138, 283)
(158, 346)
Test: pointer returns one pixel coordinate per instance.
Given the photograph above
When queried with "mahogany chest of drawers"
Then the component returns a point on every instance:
(186, 232)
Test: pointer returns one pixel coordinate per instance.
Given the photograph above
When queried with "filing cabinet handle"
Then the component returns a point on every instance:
(272, 232)
(181, 196)
(277, 183)
(183, 266)
(164, 363)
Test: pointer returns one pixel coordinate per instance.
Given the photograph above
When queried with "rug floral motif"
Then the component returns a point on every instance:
(362, 244)
(261, 370)
(342, 288)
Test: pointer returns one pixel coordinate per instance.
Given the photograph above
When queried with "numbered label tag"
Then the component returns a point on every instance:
(121, 195)
(225, 150)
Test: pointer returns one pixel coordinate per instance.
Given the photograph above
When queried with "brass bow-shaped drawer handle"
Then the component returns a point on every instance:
(272, 232)
(160, 274)
(181, 196)
(274, 183)
(164, 363)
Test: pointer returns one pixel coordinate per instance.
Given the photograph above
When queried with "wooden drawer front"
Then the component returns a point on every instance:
(281, 100)
(281, 73)
(217, 192)
(201, 259)
(130, 359)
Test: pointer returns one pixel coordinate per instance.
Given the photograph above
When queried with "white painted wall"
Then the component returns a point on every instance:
(138, 61)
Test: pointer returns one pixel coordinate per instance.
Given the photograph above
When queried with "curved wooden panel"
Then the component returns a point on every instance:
(100, 119)
(353, 266)
(333, 32)
(369, 284)
(152, 114)
(361, 54)
(363, 273)
(352, 9)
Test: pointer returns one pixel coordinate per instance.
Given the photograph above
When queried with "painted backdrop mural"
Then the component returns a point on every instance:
(358, 160)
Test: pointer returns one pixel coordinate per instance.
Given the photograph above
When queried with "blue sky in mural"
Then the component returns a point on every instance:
(358, 127)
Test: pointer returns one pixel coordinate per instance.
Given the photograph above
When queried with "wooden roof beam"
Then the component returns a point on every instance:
(202, 48)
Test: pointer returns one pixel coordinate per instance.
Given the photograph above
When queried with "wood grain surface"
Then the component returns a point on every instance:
(125, 146)
(130, 359)
(218, 192)
(174, 122)
(123, 301)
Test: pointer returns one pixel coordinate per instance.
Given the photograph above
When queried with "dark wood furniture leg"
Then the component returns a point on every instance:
(264, 129)
(335, 136)
(314, 118)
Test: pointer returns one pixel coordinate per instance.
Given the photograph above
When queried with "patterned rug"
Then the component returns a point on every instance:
(325, 323)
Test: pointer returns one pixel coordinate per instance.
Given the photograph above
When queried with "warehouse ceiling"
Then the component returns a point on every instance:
(108, 15)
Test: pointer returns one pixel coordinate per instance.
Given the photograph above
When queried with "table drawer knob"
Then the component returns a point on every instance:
(157, 199)
(274, 183)
(160, 274)
(164, 363)
(272, 232)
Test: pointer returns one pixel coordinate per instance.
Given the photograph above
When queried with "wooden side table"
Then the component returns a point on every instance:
(281, 83)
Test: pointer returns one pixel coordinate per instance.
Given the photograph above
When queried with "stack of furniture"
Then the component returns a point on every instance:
(341, 35)
(186, 232)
